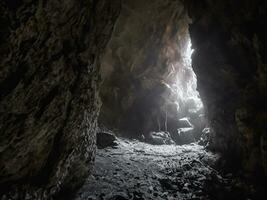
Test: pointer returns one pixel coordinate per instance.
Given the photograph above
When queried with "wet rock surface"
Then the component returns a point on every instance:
(136, 170)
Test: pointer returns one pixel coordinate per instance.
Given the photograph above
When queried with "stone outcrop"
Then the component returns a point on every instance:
(49, 102)
(230, 64)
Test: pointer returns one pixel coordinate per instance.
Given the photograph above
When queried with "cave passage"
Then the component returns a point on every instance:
(149, 88)
(133, 99)
(190, 110)
(160, 165)
(168, 157)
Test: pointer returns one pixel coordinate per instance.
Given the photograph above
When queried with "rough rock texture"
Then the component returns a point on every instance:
(50, 53)
(230, 64)
(143, 58)
(49, 103)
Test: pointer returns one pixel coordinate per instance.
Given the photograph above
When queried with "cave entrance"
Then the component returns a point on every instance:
(190, 108)
(149, 86)
(184, 118)
(185, 87)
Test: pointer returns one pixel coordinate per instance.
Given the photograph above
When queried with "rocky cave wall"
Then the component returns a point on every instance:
(230, 39)
(49, 80)
(141, 62)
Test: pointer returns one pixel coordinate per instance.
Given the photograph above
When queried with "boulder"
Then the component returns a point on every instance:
(105, 139)
(159, 138)
(185, 123)
(186, 133)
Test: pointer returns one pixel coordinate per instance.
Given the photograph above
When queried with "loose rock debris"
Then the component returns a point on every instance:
(136, 170)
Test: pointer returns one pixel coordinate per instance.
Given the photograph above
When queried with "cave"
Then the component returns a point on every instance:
(133, 99)
(148, 86)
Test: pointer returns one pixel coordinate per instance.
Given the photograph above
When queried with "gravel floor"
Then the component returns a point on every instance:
(136, 170)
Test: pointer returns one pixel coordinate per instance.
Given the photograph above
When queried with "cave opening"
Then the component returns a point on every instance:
(115, 99)
(149, 87)
(190, 109)
(185, 87)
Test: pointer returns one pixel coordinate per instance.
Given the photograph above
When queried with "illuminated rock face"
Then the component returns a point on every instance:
(49, 100)
(147, 54)
(230, 64)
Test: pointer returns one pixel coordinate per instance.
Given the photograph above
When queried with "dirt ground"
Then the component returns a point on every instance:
(136, 170)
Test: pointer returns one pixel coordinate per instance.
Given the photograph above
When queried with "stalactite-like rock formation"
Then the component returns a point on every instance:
(49, 103)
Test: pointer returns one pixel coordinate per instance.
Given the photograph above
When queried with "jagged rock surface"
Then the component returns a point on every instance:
(49, 98)
(230, 64)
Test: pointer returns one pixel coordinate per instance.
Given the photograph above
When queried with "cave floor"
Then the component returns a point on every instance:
(136, 170)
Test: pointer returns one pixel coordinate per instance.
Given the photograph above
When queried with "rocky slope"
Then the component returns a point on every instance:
(49, 102)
